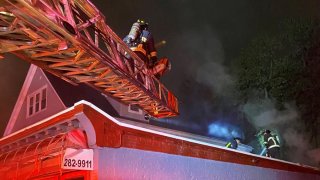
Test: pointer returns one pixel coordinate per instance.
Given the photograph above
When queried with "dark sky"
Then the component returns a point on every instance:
(203, 37)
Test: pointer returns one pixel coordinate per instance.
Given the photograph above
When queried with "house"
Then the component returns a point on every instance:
(61, 131)
(43, 95)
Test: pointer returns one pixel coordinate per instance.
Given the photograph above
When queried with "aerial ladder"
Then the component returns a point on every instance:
(70, 39)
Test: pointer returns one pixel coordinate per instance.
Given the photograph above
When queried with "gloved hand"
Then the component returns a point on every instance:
(152, 61)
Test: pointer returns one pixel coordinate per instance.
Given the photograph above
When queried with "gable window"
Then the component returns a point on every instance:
(132, 108)
(30, 106)
(44, 99)
(37, 101)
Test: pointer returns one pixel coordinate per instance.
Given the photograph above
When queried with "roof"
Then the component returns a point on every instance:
(70, 94)
(105, 131)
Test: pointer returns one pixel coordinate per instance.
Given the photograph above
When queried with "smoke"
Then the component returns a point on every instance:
(287, 124)
(215, 76)
(178, 124)
(224, 130)
(298, 146)
(263, 114)
(201, 57)
(315, 155)
(203, 81)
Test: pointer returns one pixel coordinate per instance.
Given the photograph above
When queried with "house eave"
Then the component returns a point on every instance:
(105, 131)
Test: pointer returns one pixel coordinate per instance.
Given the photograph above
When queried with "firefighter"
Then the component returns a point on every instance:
(234, 143)
(272, 144)
(140, 41)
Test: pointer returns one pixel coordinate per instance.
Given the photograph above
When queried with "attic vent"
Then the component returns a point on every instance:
(37, 101)
(132, 108)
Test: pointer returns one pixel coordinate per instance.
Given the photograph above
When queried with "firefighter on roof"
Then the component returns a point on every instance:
(272, 144)
(140, 40)
(234, 143)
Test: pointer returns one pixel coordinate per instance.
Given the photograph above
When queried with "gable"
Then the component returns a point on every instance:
(37, 100)
(59, 95)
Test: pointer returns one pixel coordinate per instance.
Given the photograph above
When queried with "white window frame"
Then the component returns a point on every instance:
(134, 112)
(33, 95)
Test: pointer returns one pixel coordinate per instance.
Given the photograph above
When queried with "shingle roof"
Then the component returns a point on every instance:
(71, 94)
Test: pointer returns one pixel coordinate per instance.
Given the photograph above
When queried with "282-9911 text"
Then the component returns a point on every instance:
(77, 163)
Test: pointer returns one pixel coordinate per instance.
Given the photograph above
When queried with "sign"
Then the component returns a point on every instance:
(80, 159)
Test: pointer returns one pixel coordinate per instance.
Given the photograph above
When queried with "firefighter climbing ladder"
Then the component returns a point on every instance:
(70, 39)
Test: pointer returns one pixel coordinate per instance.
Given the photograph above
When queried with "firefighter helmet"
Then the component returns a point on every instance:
(143, 24)
(267, 131)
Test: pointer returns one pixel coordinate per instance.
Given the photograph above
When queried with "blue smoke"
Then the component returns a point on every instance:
(224, 130)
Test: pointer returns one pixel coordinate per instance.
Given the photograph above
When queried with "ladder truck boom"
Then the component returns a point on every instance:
(70, 39)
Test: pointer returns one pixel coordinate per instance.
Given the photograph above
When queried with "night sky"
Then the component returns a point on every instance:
(203, 38)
